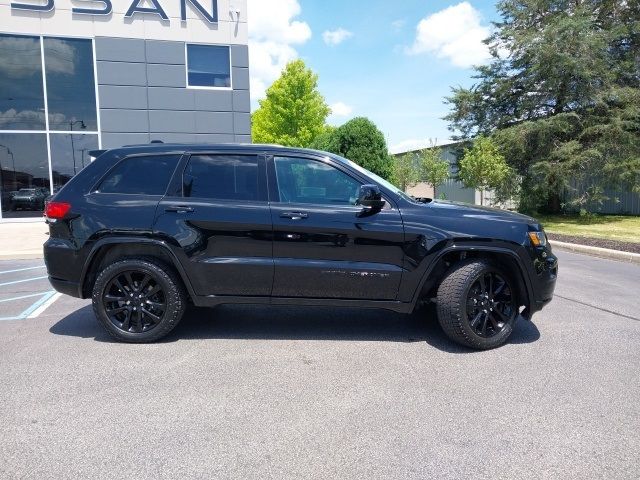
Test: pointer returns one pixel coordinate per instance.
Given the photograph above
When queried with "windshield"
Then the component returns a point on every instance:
(381, 181)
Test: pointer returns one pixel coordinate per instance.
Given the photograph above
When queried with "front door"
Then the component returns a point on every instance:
(218, 216)
(324, 246)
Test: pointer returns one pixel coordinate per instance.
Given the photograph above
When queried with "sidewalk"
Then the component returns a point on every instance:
(22, 241)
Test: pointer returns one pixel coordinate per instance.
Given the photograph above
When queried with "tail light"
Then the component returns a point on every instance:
(56, 210)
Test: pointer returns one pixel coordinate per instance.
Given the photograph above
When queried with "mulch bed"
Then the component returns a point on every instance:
(597, 242)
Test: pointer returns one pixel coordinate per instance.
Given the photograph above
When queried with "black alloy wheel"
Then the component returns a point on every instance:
(490, 305)
(134, 301)
(477, 304)
(138, 300)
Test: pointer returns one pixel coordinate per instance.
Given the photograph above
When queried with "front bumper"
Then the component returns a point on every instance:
(544, 281)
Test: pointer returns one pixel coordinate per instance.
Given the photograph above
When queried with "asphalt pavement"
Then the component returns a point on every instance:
(257, 392)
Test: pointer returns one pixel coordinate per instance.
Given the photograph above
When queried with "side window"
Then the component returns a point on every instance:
(307, 181)
(221, 177)
(145, 175)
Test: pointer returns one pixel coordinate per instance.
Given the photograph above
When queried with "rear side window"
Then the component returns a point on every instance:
(221, 177)
(146, 175)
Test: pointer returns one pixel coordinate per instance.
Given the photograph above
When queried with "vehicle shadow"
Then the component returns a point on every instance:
(249, 322)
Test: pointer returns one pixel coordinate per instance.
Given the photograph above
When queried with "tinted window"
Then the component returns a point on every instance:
(71, 95)
(21, 97)
(23, 164)
(147, 175)
(208, 66)
(224, 177)
(308, 181)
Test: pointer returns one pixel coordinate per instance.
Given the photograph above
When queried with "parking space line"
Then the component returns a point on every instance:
(22, 269)
(22, 281)
(37, 307)
(23, 296)
(41, 305)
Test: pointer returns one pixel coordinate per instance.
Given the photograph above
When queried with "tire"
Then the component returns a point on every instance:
(138, 300)
(477, 305)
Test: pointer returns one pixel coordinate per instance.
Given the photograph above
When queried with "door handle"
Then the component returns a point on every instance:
(179, 209)
(294, 215)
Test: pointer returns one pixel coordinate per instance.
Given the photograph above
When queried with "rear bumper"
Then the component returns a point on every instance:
(65, 286)
(64, 266)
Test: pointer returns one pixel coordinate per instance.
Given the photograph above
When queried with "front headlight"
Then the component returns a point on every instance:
(538, 239)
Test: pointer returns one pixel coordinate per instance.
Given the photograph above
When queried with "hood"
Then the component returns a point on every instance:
(441, 219)
(477, 211)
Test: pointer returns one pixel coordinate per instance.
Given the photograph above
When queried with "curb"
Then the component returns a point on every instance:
(597, 251)
(29, 255)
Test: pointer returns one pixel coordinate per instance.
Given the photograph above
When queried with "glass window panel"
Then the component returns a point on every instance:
(308, 181)
(24, 174)
(21, 93)
(71, 94)
(208, 66)
(146, 175)
(223, 177)
(69, 155)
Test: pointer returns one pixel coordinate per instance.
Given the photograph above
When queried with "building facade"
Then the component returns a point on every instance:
(452, 189)
(80, 75)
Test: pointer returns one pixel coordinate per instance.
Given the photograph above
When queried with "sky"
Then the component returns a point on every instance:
(390, 61)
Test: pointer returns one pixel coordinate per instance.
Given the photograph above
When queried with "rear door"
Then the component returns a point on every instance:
(325, 245)
(217, 213)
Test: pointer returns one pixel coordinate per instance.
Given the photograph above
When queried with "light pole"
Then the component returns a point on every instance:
(82, 157)
(73, 150)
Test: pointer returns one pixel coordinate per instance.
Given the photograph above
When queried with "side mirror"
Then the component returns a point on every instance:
(370, 197)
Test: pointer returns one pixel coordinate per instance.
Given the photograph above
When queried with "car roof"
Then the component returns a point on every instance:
(199, 147)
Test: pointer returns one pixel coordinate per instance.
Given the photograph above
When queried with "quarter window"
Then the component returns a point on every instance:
(147, 175)
(308, 181)
(222, 177)
(208, 66)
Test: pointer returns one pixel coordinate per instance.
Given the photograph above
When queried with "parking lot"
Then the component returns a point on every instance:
(256, 392)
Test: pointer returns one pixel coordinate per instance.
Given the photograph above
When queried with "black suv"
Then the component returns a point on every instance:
(145, 230)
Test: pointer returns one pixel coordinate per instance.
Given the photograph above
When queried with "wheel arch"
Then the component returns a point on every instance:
(449, 257)
(109, 249)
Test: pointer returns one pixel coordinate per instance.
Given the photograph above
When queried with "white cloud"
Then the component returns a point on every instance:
(454, 33)
(272, 34)
(336, 37)
(340, 109)
(20, 56)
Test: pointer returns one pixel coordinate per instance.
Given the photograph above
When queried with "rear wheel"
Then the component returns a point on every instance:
(138, 300)
(477, 305)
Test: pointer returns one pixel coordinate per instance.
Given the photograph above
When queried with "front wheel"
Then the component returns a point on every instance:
(477, 305)
(138, 300)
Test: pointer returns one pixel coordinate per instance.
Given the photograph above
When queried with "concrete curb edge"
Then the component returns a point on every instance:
(22, 255)
(597, 251)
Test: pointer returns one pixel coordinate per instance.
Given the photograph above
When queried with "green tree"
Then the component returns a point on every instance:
(561, 96)
(324, 140)
(406, 172)
(483, 167)
(293, 112)
(434, 170)
(360, 141)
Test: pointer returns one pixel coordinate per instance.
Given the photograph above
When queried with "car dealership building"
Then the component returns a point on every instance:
(80, 75)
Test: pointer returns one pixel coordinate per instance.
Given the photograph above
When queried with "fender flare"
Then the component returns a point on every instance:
(524, 273)
(119, 240)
